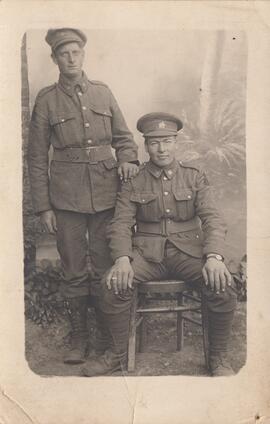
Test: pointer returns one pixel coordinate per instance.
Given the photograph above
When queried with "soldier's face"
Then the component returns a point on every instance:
(161, 150)
(69, 59)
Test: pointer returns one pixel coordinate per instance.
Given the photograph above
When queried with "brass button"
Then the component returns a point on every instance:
(87, 125)
(79, 93)
(143, 200)
(89, 141)
(84, 108)
(165, 178)
(197, 235)
(189, 196)
(170, 172)
(168, 210)
(62, 120)
(166, 193)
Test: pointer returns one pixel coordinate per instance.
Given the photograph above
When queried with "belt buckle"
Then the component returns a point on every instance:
(164, 231)
(91, 155)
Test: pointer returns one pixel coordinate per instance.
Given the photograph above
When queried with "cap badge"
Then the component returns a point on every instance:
(161, 124)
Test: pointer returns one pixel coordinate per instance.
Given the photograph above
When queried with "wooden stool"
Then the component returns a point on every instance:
(139, 308)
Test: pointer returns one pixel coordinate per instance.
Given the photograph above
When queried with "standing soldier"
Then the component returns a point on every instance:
(81, 120)
(180, 234)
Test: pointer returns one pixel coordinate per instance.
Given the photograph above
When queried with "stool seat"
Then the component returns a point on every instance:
(166, 286)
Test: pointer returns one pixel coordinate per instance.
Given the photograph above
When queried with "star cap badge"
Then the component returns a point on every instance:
(161, 124)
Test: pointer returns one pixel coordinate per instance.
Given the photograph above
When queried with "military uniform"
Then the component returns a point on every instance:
(82, 122)
(176, 226)
(173, 204)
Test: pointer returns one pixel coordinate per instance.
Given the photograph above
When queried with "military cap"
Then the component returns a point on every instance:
(159, 124)
(58, 36)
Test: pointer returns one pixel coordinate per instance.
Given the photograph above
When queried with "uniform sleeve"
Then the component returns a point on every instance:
(120, 229)
(213, 225)
(122, 140)
(38, 161)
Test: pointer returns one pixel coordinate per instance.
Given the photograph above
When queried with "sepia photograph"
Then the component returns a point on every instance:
(134, 201)
(134, 212)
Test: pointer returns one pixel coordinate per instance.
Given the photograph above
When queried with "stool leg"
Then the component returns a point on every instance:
(205, 327)
(132, 333)
(143, 327)
(180, 324)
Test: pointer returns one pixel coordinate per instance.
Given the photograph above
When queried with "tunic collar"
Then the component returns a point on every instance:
(156, 171)
(69, 86)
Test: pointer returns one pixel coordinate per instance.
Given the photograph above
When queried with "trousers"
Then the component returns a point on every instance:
(80, 235)
(175, 265)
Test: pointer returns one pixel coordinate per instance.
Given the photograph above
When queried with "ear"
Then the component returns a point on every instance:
(54, 59)
(146, 146)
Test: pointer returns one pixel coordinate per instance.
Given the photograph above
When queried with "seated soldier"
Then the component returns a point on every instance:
(180, 234)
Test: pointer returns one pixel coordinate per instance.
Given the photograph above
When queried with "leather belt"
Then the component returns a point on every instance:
(167, 226)
(90, 155)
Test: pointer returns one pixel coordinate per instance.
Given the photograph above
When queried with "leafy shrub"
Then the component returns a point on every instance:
(223, 153)
(44, 304)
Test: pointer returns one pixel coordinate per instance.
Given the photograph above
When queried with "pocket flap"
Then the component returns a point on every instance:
(110, 163)
(61, 118)
(101, 110)
(143, 198)
(183, 194)
(151, 248)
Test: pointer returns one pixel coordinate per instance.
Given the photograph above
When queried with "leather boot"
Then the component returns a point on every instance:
(106, 364)
(219, 365)
(77, 312)
(114, 359)
(220, 325)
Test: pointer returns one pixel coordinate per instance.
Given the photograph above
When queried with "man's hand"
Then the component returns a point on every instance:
(48, 220)
(216, 274)
(127, 170)
(120, 276)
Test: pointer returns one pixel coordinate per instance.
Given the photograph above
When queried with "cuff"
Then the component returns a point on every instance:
(216, 251)
(120, 254)
(135, 162)
(122, 157)
(42, 208)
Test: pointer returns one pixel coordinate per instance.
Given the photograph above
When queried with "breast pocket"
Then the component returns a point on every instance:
(184, 200)
(102, 122)
(147, 206)
(64, 127)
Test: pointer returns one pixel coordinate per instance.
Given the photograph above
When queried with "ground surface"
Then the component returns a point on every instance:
(45, 347)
